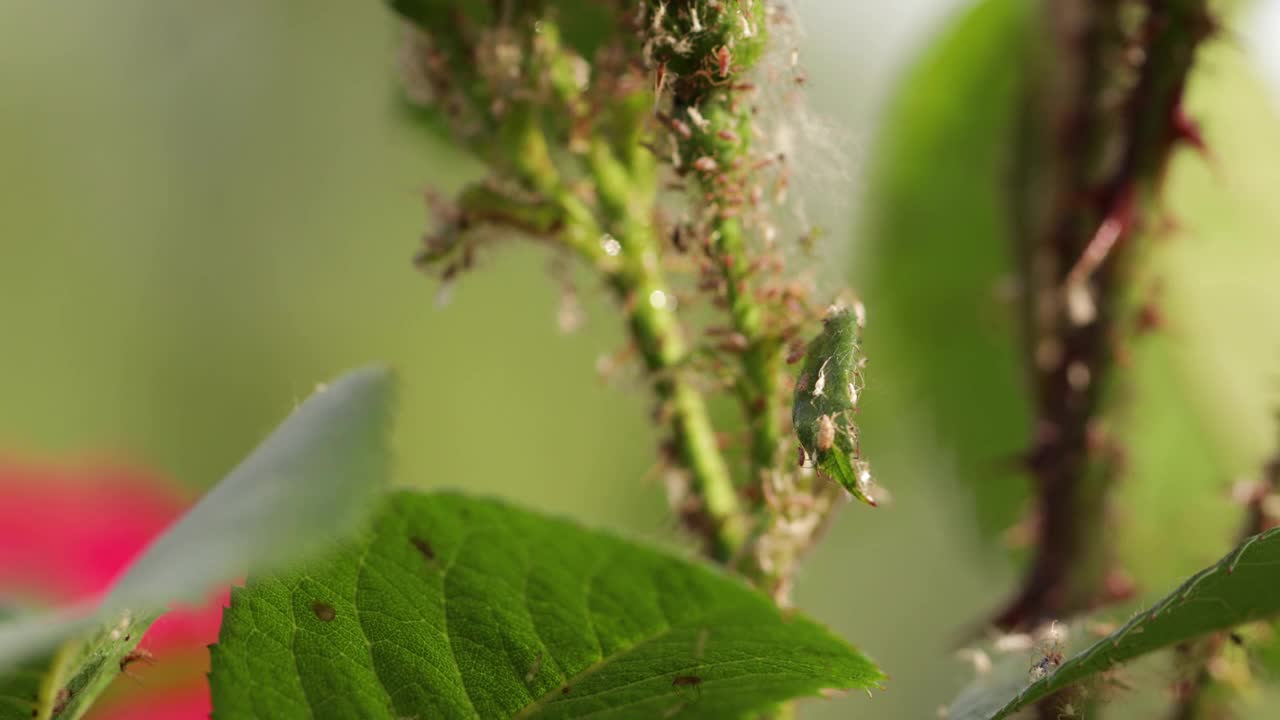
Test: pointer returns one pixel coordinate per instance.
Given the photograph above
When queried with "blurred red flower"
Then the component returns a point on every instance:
(68, 533)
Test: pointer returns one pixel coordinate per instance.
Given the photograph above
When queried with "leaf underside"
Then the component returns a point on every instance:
(454, 607)
(304, 487)
(1238, 589)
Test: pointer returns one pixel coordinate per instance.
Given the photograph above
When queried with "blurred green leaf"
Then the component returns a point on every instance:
(308, 484)
(1239, 588)
(453, 607)
(941, 340)
(1204, 386)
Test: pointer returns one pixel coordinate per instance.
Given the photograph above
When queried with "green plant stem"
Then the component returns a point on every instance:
(758, 388)
(627, 200)
(626, 192)
(725, 138)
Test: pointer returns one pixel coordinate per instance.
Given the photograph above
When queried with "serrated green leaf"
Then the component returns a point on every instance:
(1239, 588)
(454, 607)
(304, 488)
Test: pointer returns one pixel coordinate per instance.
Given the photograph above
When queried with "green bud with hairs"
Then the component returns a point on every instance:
(826, 398)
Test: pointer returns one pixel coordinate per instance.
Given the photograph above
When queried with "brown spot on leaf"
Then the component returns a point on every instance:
(423, 547)
(324, 611)
(60, 701)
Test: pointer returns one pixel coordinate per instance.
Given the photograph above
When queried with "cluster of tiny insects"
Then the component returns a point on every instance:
(1049, 653)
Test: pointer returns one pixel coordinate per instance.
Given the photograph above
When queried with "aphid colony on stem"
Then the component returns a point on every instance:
(581, 133)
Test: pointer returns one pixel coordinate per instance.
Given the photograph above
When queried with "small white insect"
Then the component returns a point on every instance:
(697, 118)
(658, 16)
(860, 313)
(822, 379)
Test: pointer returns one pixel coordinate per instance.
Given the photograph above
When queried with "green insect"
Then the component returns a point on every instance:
(826, 397)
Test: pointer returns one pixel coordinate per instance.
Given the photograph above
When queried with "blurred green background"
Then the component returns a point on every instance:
(207, 208)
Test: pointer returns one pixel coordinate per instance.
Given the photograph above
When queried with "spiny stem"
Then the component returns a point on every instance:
(724, 139)
(1110, 119)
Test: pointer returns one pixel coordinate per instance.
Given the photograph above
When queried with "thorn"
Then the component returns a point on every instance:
(1187, 130)
(1118, 586)
(1118, 222)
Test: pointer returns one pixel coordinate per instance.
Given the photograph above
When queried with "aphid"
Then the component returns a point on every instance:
(133, 656)
(423, 547)
(1051, 657)
(689, 681)
(1043, 666)
(705, 164)
(697, 118)
(60, 701)
(680, 127)
(826, 433)
(723, 61)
